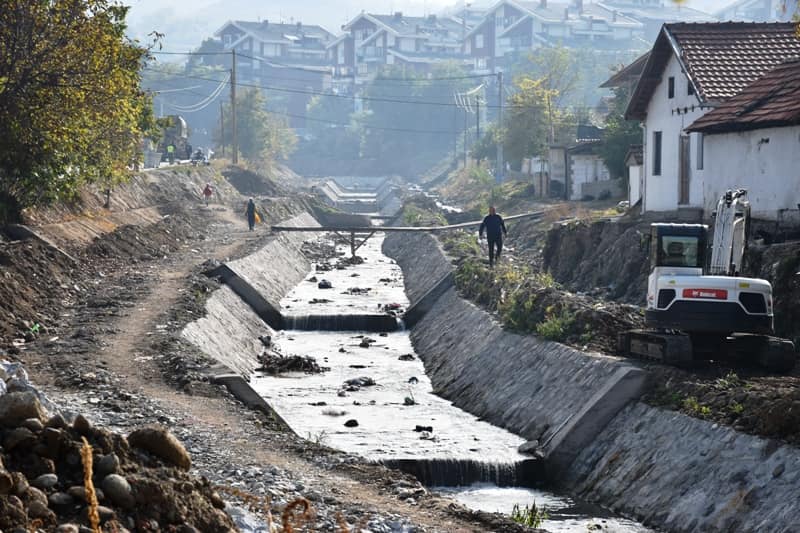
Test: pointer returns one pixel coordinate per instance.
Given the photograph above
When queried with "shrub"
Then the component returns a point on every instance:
(532, 516)
(555, 326)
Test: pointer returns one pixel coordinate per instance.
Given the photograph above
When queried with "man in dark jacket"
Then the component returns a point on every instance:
(495, 229)
(250, 212)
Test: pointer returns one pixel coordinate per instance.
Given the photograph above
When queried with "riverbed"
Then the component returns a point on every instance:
(375, 399)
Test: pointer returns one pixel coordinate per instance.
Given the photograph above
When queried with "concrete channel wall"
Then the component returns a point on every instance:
(229, 332)
(666, 469)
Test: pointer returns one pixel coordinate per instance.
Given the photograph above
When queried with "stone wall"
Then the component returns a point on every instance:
(684, 474)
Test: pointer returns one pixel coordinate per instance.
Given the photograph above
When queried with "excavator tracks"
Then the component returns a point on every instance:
(676, 349)
(668, 348)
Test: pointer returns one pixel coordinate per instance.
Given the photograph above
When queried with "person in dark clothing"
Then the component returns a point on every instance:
(495, 230)
(251, 214)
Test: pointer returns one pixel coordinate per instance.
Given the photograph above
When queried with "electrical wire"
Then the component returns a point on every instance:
(199, 106)
(371, 98)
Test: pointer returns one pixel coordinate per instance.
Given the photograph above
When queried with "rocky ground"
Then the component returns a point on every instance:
(97, 331)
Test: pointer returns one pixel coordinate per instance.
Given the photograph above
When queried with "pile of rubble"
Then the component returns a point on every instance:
(60, 473)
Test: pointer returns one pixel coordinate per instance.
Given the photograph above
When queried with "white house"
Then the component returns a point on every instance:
(691, 69)
(752, 141)
(634, 160)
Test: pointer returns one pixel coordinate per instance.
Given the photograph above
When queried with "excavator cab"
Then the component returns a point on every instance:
(678, 246)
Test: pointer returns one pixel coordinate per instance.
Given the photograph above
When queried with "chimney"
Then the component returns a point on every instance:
(543, 4)
(398, 15)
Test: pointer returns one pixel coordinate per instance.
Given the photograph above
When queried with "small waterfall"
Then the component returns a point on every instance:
(464, 472)
(370, 323)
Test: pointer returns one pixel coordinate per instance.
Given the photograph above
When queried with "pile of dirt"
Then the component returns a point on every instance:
(34, 283)
(603, 257)
(49, 469)
(248, 182)
(780, 265)
(144, 243)
(743, 397)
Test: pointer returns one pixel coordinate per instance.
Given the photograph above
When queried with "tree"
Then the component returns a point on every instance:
(529, 113)
(619, 135)
(71, 107)
(262, 136)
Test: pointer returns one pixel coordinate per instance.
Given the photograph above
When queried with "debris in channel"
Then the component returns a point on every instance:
(274, 363)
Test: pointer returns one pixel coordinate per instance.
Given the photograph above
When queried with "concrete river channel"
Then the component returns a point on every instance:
(377, 402)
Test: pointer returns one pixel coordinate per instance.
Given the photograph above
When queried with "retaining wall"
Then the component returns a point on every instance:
(666, 469)
(229, 331)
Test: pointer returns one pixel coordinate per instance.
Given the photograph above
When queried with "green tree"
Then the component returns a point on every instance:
(262, 136)
(619, 135)
(527, 121)
(71, 107)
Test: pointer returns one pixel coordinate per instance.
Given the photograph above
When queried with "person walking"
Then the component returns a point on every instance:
(495, 230)
(207, 192)
(251, 214)
(171, 153)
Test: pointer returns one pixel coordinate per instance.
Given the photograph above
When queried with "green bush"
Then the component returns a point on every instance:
(530, 516)
(555, 326)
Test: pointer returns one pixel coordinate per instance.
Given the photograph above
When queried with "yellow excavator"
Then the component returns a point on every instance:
(703, 309)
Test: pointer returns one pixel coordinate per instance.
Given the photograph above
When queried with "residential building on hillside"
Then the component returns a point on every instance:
(372, 41)
(759, 11)
(288, 59)
(751, 141)
(512, 28)
(691, 69)
(654, 13)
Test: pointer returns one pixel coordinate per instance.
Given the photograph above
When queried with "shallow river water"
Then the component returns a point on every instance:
(394, 414)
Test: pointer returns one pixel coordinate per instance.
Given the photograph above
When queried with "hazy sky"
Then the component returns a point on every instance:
(187, 22)
(180, 16)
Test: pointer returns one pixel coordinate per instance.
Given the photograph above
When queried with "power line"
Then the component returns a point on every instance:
(370, 98)
(208, 100)
(347, 124)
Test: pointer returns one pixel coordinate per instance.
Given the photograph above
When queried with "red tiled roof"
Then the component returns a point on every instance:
(720, 58)
(772, 100)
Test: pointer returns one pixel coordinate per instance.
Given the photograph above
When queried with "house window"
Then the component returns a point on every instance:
(656, 153)
(700, 142)
(671, 87)
(690, 89)
(228, 39)
(479, 41)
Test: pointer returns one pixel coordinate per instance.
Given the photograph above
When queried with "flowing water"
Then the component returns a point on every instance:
(377, 402)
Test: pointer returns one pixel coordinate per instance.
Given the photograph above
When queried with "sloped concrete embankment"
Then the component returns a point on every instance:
(541, 390)
(667, 469)
(234, 320)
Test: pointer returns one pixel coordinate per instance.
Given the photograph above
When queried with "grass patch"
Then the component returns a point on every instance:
(556, 325)
(530, 516)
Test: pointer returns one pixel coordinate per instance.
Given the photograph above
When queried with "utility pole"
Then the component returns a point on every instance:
(500, 164)
(235, 135)
(477, 119)
(455, 135)
(222, 126)
(465, 138)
